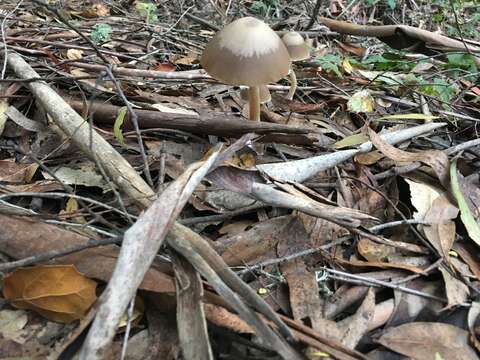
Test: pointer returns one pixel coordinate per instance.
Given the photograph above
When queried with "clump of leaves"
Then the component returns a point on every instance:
(462, 65)
(264, 7)
(389, 62)
(330, 63)
(440, 89)
(101, 33)
(147, 11)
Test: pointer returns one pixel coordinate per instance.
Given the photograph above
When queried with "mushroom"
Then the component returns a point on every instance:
(247, 52)
(298, 50)
(264, 93)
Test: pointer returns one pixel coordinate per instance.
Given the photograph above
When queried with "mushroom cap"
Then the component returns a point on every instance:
(265, 95)
(246, 52)
(297, 47)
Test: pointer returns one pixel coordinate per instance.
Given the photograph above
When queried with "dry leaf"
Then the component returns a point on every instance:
(436, 159)
(441, 231)
(373, 251)
(457, 292)
(74, 54)
(10, 171)
(423, 340)
(222, 317)
(165, 67)
(187, 60)
(58, 292)
(422, 197)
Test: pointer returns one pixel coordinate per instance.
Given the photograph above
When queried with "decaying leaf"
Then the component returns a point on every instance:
(58, 292)
(361, 102)
(423, 340)
(457, 292)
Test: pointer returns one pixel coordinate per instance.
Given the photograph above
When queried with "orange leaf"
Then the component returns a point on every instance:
(58, 292)
(165, 67)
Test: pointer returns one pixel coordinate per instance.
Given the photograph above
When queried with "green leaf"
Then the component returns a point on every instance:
(465, 214)
(441, 89)
(461, 63)
(330, 63)
(351, 140)
(409, 117)
(389, 61)
(117, 126)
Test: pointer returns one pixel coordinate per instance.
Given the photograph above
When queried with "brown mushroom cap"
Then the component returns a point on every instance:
(265, 95)
(246, 52)
(297, 48)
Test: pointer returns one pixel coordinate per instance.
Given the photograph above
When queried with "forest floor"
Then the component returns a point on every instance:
(142, 219)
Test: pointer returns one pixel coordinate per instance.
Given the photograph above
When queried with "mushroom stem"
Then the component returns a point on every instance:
(293, 84)
(254, 103)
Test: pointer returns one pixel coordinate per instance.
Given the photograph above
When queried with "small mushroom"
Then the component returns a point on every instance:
(298, 50)
(247, 52)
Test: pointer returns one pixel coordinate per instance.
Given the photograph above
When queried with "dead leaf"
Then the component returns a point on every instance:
(422, 198)
(190, 59)
(436, 159)
(58, 292)
(373, 251)
(96, 10)
(369, 158)
(11, 171)
(359, 51)
(165, 67)
(303, 291)
(382, 265)
(424, 340)
(468, 252)
(355, 326)
(441, 231)
(224, 318)
(23, 237)
(473, 323)
(457, 292)
(74, 54)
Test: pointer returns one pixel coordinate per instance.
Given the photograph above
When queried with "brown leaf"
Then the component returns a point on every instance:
(359, 51)
(58, 292)
(23, 237)
(165, 67)
(369, 158)
(469, 254)
(255, 244)
(303, 291)
(96, 10)
(373, 251)
(436, 159)
(190, 59)
(355, 326)
(18, 173)
(222, 317)
(382, 265)
(423, 340)
(441, 232)
(457, 292)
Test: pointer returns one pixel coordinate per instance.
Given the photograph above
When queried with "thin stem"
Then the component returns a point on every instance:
(254, 102)
(293, 84)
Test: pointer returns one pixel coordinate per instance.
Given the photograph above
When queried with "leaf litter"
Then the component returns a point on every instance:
(353, 235)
